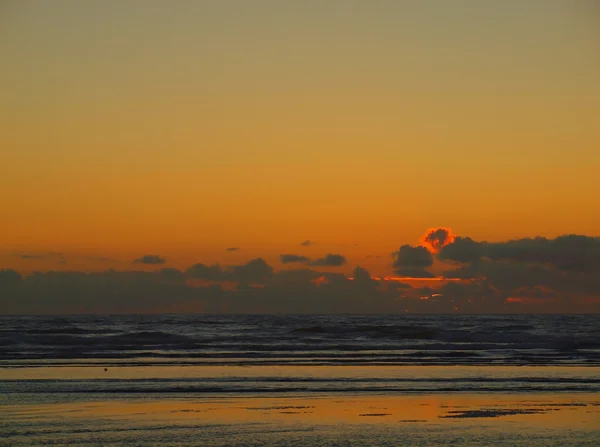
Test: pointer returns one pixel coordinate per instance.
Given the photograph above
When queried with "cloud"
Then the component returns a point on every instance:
(296, 276)
(436, 238)
(412, 261)
(413, 272)
(260, 289)
(172, 274)
(290, 258)
(207, 272)
(233, 249)
(413, 257)
(9, 276)
(256, 270)
(150, 260)
(544, 275)
(524, 275)
(362, 279)
(463, 249)
(32, 256)
(330, 260)
(569, 252)
(170, 290)
(306, 243)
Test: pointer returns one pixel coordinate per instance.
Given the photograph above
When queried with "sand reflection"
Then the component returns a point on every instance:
(581, 410)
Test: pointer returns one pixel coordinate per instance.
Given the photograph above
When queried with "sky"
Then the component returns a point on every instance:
(221, 132)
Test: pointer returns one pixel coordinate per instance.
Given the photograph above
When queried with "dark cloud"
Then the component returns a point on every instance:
(207, 272)
(362, 279)
(529, 274)
(526, 275)
(256, 270)
(150, 260)
(233, 249)
(535, 293)
(290, 258)
(413, 257)
(569, 252)
(170, 290)
(330, 260)
(507, 276)
(289, 291)
(306, 243)
(296, 276)
(9, 277)
(463, 249)
(172, 274)
(412, 261)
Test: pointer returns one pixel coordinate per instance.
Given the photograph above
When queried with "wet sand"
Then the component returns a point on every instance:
(361, 420)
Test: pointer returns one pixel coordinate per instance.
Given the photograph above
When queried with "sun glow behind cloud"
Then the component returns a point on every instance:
(437, 238)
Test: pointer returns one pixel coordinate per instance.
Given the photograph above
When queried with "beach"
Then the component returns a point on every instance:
(325, 381)
(472, 419)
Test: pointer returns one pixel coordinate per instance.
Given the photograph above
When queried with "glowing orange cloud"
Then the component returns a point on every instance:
(436, 238)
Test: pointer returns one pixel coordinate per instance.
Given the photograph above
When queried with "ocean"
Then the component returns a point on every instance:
(277, 380)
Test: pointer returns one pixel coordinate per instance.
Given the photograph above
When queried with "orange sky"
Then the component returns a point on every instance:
(185, 130)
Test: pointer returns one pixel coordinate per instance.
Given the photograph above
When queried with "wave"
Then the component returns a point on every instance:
(289, 387)
(399, 332)
(189, 339)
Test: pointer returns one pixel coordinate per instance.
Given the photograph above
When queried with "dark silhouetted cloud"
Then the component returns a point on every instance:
(362, 279)
(569, 252)
(330, 260)
(297, 276)
(172, 274)
(290, 258)
(254, 270)
(412, 261)
(414, 257)
(527, 275)
(463, 249)
(150, 260)
(233, 249)
(9, 277)
(169, 290)
(207, 272)
(306, 243)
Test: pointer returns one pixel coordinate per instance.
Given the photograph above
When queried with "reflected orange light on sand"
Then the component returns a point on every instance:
(545, 410)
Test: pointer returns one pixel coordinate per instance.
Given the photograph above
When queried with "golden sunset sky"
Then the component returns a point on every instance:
(183, 128)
